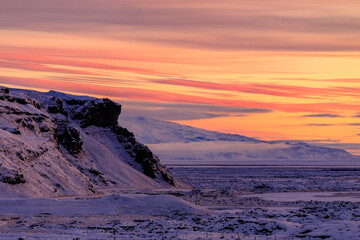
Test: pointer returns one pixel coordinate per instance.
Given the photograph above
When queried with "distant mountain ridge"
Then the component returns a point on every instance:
(153, 131)
(184, 145)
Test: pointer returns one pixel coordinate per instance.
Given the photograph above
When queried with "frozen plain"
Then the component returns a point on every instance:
(225, 203)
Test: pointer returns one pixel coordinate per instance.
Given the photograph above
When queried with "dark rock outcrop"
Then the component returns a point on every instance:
(100, 113)
(55, 105)
(12, 130)
(4, 95)
(12, 177)
(21, 101)
(69, 137)
(72, 102)
(150, 163)
(4, 90)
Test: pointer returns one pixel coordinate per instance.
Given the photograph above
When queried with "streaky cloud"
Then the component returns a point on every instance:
(319, 124)
(179, 112)
(142, 94)
(323, 115)
(230, 25)
(264, 89)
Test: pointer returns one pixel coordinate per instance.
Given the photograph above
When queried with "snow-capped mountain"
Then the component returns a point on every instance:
(54, 144)
(178, 144)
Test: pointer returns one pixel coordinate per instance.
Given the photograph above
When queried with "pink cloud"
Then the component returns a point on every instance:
(304, 26)
(265, 89)
(37, 60)
(41, 67)
(163, 96)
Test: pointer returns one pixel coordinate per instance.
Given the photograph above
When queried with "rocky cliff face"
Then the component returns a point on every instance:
(54, 144)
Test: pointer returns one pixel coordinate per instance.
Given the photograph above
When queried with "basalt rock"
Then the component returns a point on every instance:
(149, 163)
(55, 105)
(69, 137)
(4, 95)
(12, 177)
(21, 101)
(12, 130)
(4, 90)
(72, 102)
(99, 112)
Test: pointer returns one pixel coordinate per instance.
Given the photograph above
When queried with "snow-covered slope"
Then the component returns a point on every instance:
(53, 144)
(179, 144)
(149, 130)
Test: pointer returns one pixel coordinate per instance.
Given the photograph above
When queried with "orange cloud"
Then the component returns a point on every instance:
(266, 89)
(163, 96)
(38, 62)
(41, 67)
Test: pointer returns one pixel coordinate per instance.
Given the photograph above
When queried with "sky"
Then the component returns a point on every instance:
(268, 69)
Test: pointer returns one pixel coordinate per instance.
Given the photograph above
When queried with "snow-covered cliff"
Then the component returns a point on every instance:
(54, 144)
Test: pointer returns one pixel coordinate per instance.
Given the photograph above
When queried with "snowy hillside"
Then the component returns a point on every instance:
(149, 130)
(179, 144)
(53, 144)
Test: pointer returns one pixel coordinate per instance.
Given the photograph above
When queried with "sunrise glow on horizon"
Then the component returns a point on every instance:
(266, 69)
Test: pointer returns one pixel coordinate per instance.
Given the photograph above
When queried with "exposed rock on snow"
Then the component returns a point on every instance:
(103, 113)
(69, 137)
(142, 154)
(11, 176)
(53, 144)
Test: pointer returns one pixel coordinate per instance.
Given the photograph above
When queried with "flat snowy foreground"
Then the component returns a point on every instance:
(226, 203)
